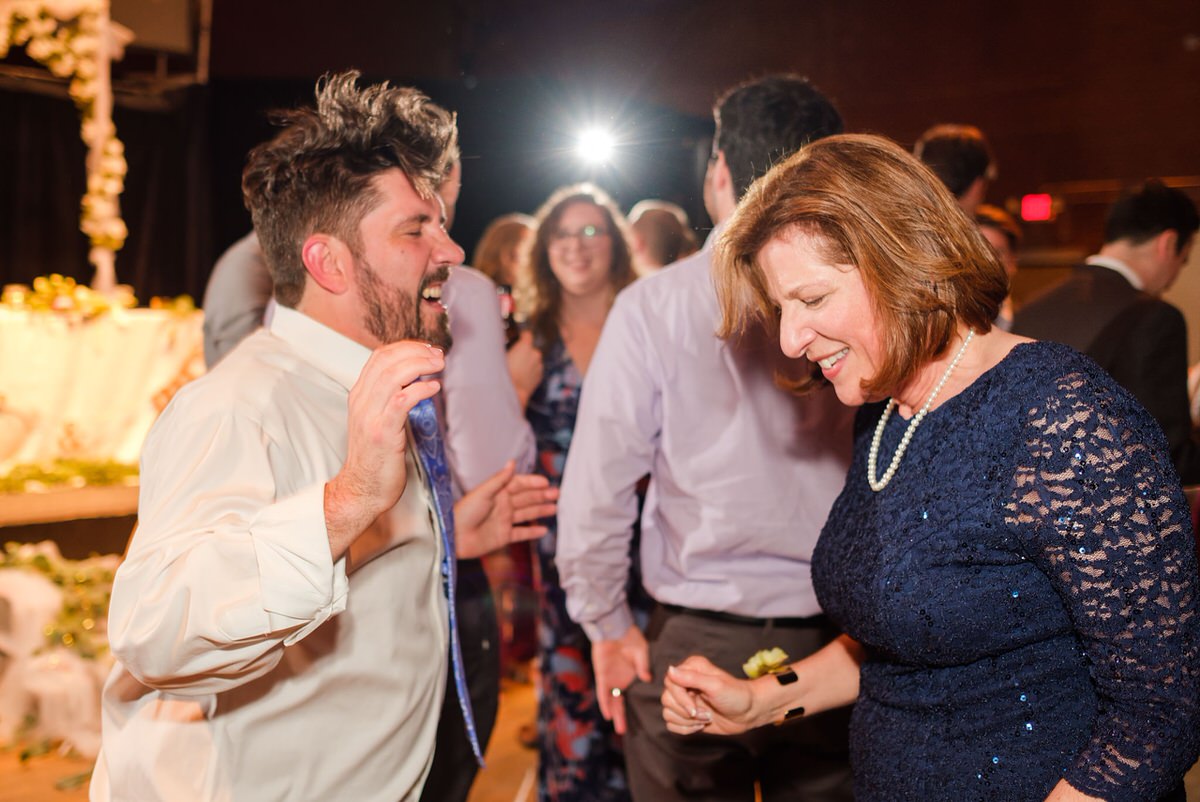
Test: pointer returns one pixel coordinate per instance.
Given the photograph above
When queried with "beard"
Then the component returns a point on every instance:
(392, 316)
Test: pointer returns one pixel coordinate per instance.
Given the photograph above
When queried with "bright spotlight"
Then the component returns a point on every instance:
(595, 146)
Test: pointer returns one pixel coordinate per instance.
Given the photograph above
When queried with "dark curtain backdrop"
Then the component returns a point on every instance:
(182, 201)
(517, 139)
(167, 203)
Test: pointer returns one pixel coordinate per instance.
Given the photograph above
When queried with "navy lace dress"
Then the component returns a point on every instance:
(1025, 588)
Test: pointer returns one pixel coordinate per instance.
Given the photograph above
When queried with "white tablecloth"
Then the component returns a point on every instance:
(89, 389)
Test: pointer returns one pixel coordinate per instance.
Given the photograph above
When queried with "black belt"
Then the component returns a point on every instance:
(811, 622)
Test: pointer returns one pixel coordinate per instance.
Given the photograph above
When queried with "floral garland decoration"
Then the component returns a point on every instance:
(86, 586)
(79, 627)
(65, 472)
(69, 37)
(58, 293)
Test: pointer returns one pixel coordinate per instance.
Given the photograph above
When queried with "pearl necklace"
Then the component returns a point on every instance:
(873, 455)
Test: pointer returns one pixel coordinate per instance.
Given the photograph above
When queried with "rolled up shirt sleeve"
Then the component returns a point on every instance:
(612, 448)
(230, 562)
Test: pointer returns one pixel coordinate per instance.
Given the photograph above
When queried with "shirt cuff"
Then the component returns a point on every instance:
(300, 581)
(610, 626)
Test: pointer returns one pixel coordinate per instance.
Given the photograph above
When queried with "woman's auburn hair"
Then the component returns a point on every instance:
(876, 208)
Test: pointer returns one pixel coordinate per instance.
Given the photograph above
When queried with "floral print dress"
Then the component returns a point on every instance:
(579, 755)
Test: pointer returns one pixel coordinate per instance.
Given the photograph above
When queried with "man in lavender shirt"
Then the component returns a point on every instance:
(743, 475)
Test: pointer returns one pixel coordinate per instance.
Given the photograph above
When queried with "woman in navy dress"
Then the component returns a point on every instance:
(1011, 557)
(579, 261)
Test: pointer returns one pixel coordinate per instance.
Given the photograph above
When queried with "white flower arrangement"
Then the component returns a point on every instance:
(68, 38)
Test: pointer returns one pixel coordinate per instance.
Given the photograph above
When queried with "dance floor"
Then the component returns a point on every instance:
(509, 776)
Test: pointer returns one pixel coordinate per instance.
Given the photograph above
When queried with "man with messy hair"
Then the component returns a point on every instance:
(282, 620)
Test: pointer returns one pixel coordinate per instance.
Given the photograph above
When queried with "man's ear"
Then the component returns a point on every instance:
(328, 261)
(722, 179)
(719, 181)
(975, 194)
(637, 243)
(1166, 245)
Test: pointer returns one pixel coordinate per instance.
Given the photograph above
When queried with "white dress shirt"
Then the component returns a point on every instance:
(1117, 266)
(250, 665)
(743, 474)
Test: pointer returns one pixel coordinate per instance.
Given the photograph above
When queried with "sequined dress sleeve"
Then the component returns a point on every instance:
(1026, 592)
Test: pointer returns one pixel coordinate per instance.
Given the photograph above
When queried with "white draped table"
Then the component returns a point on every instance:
(87, 388)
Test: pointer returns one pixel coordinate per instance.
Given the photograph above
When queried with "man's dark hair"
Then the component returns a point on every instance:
(762, 122)
(316, 174)
(957, 154)
(1150, 210)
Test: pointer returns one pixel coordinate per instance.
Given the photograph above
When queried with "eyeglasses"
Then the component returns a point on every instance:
(588, 235)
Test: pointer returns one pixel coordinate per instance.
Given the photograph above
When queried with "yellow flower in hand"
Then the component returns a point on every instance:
(765, 661)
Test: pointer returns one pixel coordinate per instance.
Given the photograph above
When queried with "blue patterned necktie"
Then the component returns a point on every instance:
(427, 438)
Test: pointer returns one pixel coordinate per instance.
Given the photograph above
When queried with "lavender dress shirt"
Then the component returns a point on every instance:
(236, 297)
(743, 473)
(485, 425)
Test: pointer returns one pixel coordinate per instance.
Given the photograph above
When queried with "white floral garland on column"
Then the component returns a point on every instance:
(74, 40)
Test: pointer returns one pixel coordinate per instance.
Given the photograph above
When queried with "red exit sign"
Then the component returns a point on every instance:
(1037, 207)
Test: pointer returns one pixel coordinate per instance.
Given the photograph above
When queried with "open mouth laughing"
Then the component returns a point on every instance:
(431, 286)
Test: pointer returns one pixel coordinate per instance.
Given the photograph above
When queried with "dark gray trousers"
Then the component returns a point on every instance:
(802, 761)
(454, 765)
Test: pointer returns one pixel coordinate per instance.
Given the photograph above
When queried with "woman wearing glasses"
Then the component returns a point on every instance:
(579, 261)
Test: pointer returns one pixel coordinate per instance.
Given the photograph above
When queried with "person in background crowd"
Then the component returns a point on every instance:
(1004, 235)
(660, 235)
(961, 156)
(1111, 309)
(743, 474)
(579, 261)
(1011, 557)
(499, 254)
(236, 298)
(501, 248)
(485, 427)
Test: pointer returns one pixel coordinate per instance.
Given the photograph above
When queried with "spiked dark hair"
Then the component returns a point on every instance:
(316, 174)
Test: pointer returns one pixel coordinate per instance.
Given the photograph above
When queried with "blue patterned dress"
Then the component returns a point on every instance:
(1026, 592)
(579, 755)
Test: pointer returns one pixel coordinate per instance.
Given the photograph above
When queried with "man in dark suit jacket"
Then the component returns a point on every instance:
(1110, 309)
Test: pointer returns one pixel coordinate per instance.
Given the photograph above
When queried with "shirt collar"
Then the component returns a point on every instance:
(335, 355)
(711, 239)
(1118, 266)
